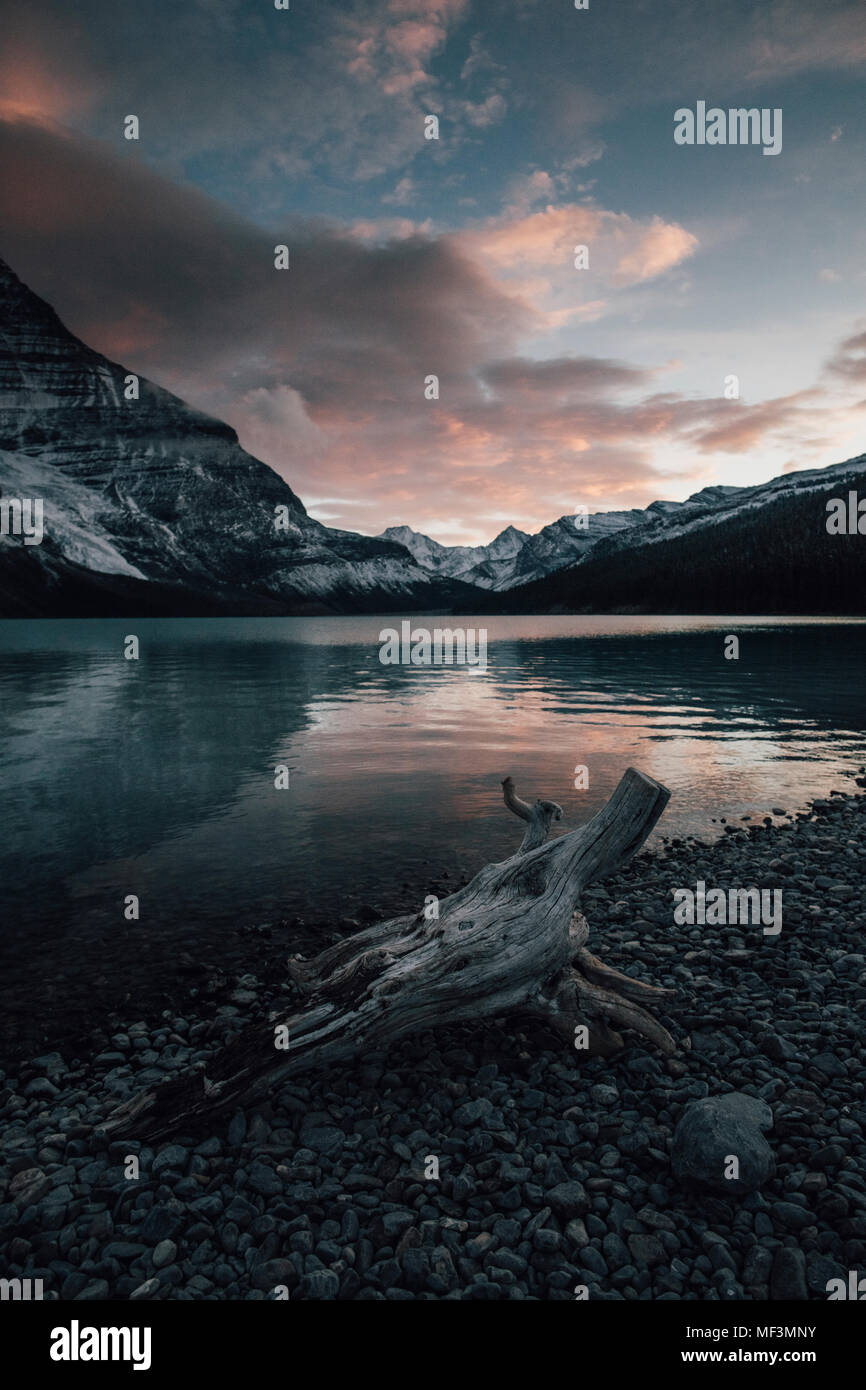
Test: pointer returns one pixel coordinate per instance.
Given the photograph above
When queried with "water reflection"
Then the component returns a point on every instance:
(156, 777)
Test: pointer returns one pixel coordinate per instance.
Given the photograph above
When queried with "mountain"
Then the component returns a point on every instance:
(722, 549)
(449, 560)
(763, 549)
(489, 566)
(151, 506)
(516, 558)
(563, 542)
(513, 557)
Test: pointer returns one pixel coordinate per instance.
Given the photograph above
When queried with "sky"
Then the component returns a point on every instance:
(560, 386)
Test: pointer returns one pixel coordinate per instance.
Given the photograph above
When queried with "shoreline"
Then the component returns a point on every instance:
(554, 1172)
(200, 959)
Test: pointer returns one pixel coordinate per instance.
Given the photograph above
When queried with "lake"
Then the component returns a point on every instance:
(155, 777)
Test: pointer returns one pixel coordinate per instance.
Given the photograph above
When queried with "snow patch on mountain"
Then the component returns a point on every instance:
(516, 557)
(150, 489)
(74, 515)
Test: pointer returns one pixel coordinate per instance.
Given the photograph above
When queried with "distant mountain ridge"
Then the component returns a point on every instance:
(153, 507)
(763, 549)
(484, 565)
(516, 558)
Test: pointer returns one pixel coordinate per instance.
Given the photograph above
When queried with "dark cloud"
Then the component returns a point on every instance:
(849, 361)
(301, 94)
(563, 377)
(321, 368)
(181, 287)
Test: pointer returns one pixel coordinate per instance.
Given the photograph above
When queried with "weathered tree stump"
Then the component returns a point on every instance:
(511, 941)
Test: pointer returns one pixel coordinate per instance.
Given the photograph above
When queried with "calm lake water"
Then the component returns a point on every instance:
(156, 777)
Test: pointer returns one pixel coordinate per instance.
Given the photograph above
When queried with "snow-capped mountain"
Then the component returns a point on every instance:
(567, 546)
(564, 542)
(489, 566)
(762, 549)
(515, 557)
(153, 507)
(450, 560)
(142, 492)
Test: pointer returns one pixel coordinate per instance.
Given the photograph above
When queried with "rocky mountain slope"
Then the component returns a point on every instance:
(152, 506)
(517, 558)
(489, 566)
(762, 549)
(513, 557)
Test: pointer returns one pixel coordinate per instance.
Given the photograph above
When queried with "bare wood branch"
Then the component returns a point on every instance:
(510, 941)
(538, 816)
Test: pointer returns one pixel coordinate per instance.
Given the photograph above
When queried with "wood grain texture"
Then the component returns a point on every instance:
(510, 941)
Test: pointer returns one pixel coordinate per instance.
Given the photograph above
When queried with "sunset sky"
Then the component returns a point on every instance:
(559, 387)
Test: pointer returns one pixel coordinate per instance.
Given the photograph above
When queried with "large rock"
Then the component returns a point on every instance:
(714, 1130)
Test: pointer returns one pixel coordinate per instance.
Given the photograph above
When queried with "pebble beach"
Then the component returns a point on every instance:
(559, 1177)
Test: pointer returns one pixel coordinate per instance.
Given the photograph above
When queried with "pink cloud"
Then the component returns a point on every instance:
(39, 78)
(658, 247)
(622, 250)
(415, 40)
(322, 369)
(850, 359)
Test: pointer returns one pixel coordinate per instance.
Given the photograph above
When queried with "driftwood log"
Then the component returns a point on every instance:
(511, 941)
